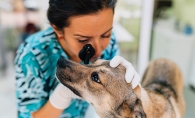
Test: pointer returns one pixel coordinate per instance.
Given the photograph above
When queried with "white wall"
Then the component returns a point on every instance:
(145, 35)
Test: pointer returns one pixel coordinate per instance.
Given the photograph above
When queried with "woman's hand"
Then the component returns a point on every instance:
(131, 75)
(61, 97)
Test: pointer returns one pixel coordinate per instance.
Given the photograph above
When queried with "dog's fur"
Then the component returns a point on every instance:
(160, 97)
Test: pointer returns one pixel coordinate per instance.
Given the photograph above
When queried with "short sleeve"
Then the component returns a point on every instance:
(111, 50)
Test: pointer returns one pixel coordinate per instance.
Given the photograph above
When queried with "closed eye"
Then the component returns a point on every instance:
(108, 36)
(83, 41)
(95, 77)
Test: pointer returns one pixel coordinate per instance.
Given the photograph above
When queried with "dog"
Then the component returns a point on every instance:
(160, 96)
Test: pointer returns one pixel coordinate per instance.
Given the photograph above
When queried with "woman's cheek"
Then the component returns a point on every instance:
(105, 43)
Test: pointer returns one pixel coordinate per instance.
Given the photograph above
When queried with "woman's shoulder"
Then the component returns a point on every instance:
(38, 45)
(41, 37)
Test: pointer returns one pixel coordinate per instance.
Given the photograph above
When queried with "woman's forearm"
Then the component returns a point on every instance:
(47, 111)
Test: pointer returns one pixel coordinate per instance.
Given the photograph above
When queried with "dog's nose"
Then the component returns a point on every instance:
(62, 62)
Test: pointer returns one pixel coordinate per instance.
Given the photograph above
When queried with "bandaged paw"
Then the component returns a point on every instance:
(131, 75)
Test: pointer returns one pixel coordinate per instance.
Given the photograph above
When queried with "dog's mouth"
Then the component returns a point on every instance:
(62, 77)
(72, 89)
(67, 85)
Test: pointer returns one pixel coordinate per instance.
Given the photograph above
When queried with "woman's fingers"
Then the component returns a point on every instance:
(130, 75)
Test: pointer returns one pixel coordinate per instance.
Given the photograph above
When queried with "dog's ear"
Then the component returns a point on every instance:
(135, 104)
(132, 107)
(138, 110)
(124, 110)
(137, 91)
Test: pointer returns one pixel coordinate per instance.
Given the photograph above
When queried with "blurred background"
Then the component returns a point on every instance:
(145, 30)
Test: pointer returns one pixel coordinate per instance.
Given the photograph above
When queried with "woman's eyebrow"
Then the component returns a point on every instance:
(91, 36)
(82, 36)
(107, 31)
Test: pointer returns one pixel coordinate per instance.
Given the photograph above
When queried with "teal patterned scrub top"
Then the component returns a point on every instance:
(35, 64)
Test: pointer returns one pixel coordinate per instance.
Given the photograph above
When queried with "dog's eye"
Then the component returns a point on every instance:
(95, 77)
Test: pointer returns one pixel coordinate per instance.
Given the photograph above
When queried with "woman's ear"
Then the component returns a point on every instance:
(58, 31)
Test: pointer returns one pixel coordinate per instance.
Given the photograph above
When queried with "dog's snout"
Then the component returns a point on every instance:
(62, 62)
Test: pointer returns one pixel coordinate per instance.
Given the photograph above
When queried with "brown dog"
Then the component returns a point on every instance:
(106, 89)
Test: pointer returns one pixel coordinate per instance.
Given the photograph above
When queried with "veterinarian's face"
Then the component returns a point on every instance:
(94, 29)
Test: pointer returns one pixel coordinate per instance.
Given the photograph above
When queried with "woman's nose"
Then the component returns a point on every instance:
(98, 48)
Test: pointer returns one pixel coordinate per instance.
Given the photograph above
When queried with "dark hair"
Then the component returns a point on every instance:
(60, 11)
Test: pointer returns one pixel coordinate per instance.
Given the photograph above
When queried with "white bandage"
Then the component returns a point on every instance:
(61, 97)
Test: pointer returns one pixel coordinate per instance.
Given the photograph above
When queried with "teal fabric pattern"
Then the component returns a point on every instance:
(35, 64)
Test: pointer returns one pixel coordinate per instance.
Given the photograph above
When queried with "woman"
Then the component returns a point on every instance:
(74, 24)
